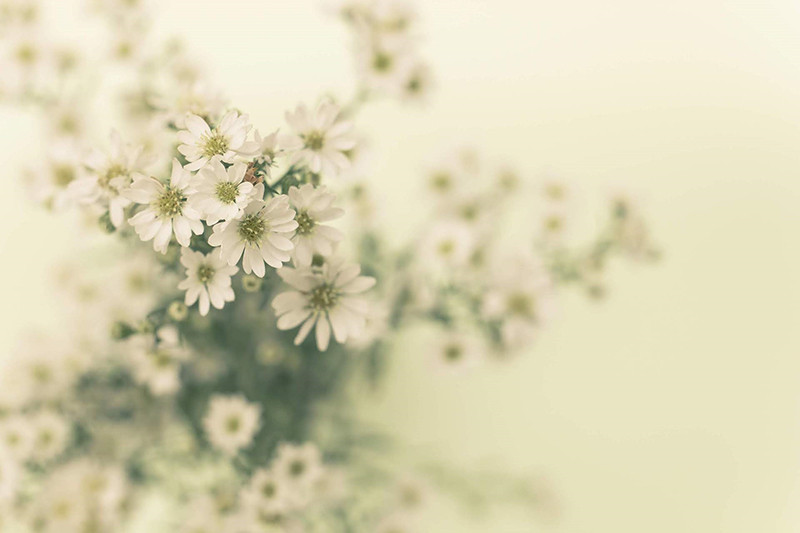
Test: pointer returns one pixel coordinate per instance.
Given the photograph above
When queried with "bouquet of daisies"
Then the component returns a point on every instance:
(233, 310)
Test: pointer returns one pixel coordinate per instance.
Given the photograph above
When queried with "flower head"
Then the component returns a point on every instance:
(200, 142)
(231, 423)
(50, 435)
(319, 139)
(314, 207)
(208, 279)
(167, 209)
(267, 493)
(300, 466)
(110, 175)
(519, 299)
(158, 366)
(325, 297)
(221, 194)
(261, 234)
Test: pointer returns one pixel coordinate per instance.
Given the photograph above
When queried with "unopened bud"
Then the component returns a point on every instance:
(178, 311)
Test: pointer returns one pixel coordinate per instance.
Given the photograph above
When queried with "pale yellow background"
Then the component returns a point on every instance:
(675, 405)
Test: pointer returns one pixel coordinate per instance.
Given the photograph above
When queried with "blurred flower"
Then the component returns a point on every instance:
(50, 434)
(519, 298)
(158, 366)
(446, 248)
(300, 468)
(198, 99)
(111, 174)
(266, 493)
(231, 422)
(320, 139)
(81, 496)
(16, 437)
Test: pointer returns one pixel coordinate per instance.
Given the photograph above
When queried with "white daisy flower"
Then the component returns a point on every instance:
(325, 297)
(158, 367)
(39, 375)
(520, 298)
(81, 496)
(110, 175)
(262, 233)
(50, 435)
(300, 466)
(320, 140)
(49, 182)
(200, 142)
(313, 207)
(447, 247)
(16, 437)
(167, 209)
(231, 422)
(220, 193)
(385, 65)
(208, 279)
(266, 493)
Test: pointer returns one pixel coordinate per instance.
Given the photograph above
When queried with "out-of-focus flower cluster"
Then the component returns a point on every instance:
(387, 56)
(226, 338)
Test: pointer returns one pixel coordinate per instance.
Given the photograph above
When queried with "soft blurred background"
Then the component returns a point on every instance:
(674, 405)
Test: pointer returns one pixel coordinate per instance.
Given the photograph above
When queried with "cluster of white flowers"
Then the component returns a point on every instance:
(225, 196)
(208, 370)
(387, 58)
(277, 497)
(489, 294)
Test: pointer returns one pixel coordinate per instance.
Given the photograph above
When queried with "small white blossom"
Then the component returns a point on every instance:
(158, 366)
(325, 297)
(385, 65)
(110, 175)
(300, 467)
(50, 435)
(208, 279)
(261, 234)
(167, 209)
(16, 437)
(314, 207)
(220, 193)
(520, 298)
(266, 493)
(82, 496)
(319, 139)
(231, 422)
(200, 143)
(447, 247)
